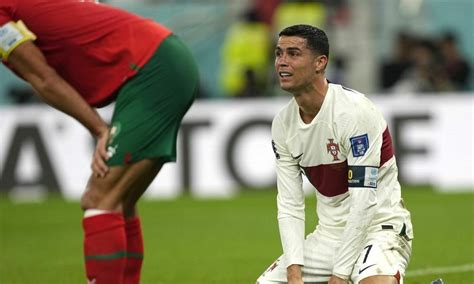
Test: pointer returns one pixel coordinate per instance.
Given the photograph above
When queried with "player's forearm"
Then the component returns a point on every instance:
(292, 240)
(30, 63)
(60, 95)
(355, 233)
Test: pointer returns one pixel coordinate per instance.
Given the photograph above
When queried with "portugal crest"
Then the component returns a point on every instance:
(333, 149)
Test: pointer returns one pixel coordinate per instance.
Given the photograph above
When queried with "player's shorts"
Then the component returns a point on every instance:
(150, 106)
(385, 253)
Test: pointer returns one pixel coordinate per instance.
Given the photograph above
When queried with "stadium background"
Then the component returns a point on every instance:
(211, 217)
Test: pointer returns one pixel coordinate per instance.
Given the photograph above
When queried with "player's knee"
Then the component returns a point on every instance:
(98, 196)
(89, 200)
(97, 200)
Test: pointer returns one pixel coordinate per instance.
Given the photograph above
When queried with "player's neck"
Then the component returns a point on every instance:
(311, 100)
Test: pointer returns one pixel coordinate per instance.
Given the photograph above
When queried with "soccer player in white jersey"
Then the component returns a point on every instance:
(340, 141)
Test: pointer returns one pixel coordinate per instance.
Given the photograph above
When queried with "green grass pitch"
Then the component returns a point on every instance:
(218, 241)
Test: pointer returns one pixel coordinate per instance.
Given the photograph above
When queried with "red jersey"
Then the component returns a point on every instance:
(94, 47)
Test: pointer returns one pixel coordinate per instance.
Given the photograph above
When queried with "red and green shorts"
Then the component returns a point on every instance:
(150, 106)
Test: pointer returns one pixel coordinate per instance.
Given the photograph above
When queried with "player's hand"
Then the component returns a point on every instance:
(294, 274)
(99, 167)
(337, 280)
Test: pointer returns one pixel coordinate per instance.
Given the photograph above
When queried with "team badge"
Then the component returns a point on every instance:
(333, 149)
(359, 145)
(114, 132)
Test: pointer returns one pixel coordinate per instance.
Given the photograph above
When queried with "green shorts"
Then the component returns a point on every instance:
(151, 105)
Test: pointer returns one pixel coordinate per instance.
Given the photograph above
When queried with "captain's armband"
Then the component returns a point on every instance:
(11, 36)
(362, 176)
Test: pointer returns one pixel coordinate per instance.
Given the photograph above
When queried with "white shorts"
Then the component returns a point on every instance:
(384, 253)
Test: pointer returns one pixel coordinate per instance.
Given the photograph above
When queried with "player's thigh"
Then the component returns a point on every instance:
(99, 187)
(384, 254)
(318, 258)
(137, 189)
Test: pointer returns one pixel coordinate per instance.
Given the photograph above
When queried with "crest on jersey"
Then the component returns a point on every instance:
(360, 145)
(333, 149)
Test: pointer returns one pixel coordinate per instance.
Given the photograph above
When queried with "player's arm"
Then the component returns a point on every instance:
(290, 203)
(362, 143)
(28, 61)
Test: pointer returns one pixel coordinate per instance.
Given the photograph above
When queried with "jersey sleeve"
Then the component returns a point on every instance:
(362, 138)
(6, 11)
(290, 199)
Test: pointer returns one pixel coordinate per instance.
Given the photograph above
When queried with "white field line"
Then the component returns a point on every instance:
(440, 270)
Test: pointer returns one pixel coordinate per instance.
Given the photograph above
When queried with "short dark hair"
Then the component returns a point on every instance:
(315, 38)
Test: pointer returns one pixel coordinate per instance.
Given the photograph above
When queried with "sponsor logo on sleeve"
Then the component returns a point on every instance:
(359, 145)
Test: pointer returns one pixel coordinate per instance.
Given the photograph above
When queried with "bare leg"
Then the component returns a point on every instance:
(122, 186)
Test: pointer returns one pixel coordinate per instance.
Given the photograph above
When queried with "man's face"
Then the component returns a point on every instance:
(295, 64)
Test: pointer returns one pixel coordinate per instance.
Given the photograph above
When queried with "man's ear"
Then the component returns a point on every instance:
(320, 63)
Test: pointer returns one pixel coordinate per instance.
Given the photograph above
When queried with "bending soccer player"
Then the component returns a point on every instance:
(80, 54)
(340, 141)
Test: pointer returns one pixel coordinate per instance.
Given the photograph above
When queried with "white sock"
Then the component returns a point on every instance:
(95, 212)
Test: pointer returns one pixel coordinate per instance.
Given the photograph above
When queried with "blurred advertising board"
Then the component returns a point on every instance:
(224, 146)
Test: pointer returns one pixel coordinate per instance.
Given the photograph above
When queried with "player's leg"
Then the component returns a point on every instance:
(106, 244)
(147, 116)
(104, 232)
(121, 187)
(383, 260)
(133, 231)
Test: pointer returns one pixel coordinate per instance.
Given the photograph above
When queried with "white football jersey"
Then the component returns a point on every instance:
(346, 153)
